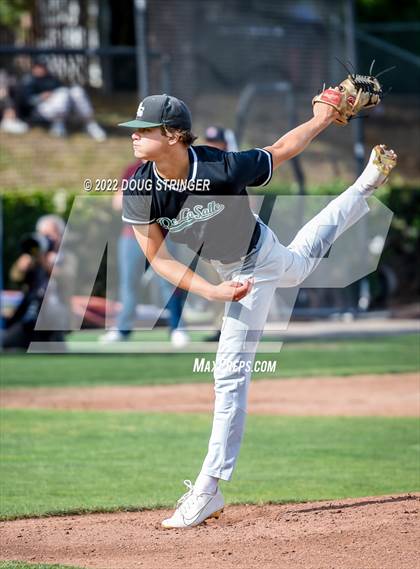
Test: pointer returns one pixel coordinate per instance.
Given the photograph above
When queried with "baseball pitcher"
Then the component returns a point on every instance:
(197, 194)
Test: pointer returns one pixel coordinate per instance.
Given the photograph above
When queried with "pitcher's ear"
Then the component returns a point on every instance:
(173, 137)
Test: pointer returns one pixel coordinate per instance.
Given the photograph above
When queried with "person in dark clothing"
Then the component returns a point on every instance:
(43, 97)
(33, 271)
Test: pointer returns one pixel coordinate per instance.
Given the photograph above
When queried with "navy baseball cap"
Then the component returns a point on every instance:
(215, 134)
(158, 110)
(40, 60)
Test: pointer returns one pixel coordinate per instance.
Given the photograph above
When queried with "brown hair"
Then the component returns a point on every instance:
(185, 136)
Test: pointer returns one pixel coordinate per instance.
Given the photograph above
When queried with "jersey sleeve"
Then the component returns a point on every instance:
(250, 167)
(137, 205)
(138, 209)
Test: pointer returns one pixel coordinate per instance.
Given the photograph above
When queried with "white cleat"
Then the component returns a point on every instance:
(58, 129)
(179, 338)
(13, 126)
(382, 160)
(192, 509)
(112, 336)
(95, 131)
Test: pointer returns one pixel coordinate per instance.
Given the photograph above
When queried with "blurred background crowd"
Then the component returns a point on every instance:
(70, 70)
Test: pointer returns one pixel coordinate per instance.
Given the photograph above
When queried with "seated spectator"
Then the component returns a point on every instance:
(10, 122)
(45, 98)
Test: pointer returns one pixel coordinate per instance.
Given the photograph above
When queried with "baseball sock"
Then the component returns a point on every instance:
(205, 484)
(365, 184)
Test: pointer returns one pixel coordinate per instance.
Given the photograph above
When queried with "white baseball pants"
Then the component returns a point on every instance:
(271, 265)
(65, 100)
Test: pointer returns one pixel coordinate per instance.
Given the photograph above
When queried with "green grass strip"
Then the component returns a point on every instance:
(394, 354)
(59, 462)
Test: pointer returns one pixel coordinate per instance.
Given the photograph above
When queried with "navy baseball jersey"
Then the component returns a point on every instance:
(209, 212)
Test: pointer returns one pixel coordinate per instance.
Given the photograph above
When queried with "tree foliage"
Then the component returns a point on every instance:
(387, 10)
(12, 10)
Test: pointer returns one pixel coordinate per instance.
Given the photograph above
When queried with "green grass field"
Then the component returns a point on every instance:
(57, 462)
(296, 359)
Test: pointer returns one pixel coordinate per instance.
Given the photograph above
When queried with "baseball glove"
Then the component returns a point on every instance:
(354, 94)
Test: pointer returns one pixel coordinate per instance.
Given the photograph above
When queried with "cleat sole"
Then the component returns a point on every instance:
(385, 160)
(216, 514)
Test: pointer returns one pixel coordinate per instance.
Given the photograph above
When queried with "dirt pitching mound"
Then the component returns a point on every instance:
(379, 533)
(382, 395)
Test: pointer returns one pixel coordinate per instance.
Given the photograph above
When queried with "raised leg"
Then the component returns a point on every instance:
(312, 242)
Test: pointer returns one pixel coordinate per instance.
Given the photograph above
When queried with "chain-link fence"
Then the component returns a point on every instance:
(210, 53)
(252, 66)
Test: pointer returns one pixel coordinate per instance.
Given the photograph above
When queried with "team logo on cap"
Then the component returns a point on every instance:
(140, 110)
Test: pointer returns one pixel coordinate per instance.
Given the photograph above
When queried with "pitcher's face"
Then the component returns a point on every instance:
(149, 143)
